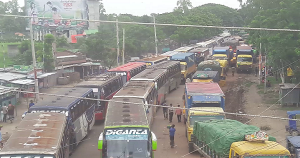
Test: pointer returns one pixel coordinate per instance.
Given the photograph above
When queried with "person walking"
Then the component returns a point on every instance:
(172, 135)
(10, 112)
(233, 70)
(31, 103)
(4, 110)
(165, 111)
(178, 113)
(171, 113)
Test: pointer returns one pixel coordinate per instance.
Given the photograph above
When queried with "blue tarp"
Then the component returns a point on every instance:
(206, 99)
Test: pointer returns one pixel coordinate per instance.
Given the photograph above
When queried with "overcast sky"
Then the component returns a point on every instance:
(142, 7)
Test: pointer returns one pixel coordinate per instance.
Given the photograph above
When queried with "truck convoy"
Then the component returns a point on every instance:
(187, 63)
(202, 94)
(233, 139)
(201, 114)
(244, 58)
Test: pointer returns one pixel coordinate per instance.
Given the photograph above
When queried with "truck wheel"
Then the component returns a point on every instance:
(191, 148)
(295, 133)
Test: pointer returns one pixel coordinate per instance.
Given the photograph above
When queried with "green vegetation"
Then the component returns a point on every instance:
(3, 52)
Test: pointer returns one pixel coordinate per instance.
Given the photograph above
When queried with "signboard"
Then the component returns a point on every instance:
(127, 134)
(257, 136)
(55, 10)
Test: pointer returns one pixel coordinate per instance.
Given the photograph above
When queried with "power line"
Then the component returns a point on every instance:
(160, 24)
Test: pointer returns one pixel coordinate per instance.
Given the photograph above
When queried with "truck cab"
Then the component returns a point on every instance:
(222, 55)
(201, 114)
(244, 58)
(187, 64)
(206, 76)
(293, 145)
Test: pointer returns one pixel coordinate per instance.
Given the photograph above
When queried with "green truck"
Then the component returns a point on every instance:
(233, 139)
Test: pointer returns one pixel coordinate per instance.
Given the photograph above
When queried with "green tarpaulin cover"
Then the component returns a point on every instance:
(220, 134)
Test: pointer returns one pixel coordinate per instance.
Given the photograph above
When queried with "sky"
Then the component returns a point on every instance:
(146, 7)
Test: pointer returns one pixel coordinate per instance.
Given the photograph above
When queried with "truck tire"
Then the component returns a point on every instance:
(191, 148)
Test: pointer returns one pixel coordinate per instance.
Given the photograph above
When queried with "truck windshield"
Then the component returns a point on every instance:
(193, 119)
(206, 105)
(244, 59)
(274, 156)
(27, 156)
(183, 67)
(127, 148)
(219, 58)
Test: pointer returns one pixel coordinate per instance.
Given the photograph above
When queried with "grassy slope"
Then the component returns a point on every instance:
(3, 50)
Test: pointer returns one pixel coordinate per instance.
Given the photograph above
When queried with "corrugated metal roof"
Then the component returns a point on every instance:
(120, 114)
(137, 89)
(203, 88)
(151, 74)
(37, 133)
(5, 90)
(164, 65)
(23, 82)
(9, 76)
(294, 140)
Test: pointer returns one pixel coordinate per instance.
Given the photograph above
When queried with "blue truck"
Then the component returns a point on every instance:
(187, 64)
(202, 94)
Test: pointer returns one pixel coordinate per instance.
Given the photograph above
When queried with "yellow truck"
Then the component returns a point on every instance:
(244, 59)
(222, 55)
(213, 65)
(233, 139)
(201, 114)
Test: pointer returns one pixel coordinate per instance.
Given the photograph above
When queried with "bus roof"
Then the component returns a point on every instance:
(181, 56)
(128, 66)
(153, 59)
(203, 88)
(99, 81)
(184, 49)
(164, 64)
(47, 101)
(149, 75)
(170, 53)
(210, 111)
(135, 89)
(38, 133)
(259, 148)
(121, 114)
(222, 48)
(203, 49)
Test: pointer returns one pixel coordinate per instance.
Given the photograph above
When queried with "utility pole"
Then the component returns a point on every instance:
(123, 47)
(34, 63)
(266, 70)
(259, 65)
(118, 48)
(155, 35)
(3, 56)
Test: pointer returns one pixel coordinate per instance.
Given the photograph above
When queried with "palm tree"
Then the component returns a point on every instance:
(184, 5)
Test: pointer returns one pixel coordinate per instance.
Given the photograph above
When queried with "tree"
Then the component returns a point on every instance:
(48, 56)
(184, 5)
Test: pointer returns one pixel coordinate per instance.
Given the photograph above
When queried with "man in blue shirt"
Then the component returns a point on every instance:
(31, 103)
(172, 134)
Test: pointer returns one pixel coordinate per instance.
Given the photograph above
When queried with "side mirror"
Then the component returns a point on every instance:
(100, 142)
(154, 141)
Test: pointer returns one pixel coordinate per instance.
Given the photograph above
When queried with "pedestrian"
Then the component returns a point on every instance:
(171, 113)
(256, 71)
(233, 70)
(4, 110)
(178, 113)
(10, 112)
(172, 135)
(165, 111)
(31, 103)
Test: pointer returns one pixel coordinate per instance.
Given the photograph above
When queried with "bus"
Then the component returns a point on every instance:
(144, 91)
(39, 135)
(153, 60)
(127, 132)
(80, 113)
(169, 54)
(130, 69)
(173, 73)
(105, 86)
(158, 77)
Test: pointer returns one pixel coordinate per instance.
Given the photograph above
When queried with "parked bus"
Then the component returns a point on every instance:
(39, 135)
(153, 60)
(158, 77)
(144, 91)
(130, 69)
(169, 54)
(173, 73)
(105, 86)
(127, 132)
(80, 113)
